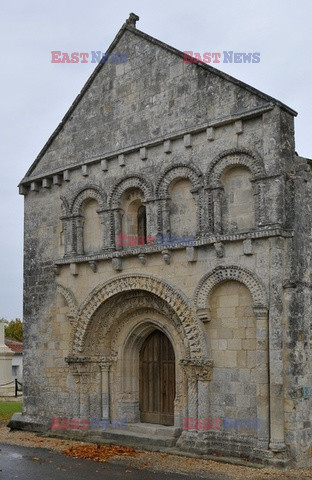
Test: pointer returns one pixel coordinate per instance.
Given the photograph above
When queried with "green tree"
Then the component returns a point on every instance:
(14, 329)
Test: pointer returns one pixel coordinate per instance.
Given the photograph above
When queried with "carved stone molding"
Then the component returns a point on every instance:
(180, 170)
(79, 365)
(172, 296)
(130, 181)
(69, 297)
(111, 317)
(166, 256)
(200, 369)
(89, 191)
(236, 156)
(93, 265)
(230, 272)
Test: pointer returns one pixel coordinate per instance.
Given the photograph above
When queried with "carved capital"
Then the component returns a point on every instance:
(79, 365)
(197, 369)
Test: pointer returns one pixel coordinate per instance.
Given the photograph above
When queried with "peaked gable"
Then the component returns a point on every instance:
(154, 94)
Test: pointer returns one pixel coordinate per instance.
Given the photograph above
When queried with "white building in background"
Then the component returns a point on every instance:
(17, 360)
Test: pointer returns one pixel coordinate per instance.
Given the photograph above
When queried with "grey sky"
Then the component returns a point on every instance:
(36, 93)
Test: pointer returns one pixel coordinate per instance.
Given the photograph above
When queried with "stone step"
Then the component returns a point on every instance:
(140, 436)
(151, 429)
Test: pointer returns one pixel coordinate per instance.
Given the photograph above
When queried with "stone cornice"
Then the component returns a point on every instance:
(243, 115)
(206, 240)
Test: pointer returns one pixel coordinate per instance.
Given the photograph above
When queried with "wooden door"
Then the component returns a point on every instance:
(157, 380)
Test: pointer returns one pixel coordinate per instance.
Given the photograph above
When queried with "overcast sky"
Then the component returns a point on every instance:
(37, 93)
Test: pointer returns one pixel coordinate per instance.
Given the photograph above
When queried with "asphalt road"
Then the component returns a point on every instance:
(26, 463)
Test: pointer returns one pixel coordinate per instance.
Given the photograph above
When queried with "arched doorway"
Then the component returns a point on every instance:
(157, 380)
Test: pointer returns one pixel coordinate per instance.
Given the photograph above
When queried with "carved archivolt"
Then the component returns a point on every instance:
(191, 172)
(134, 181)
(192, 326)
(69, 297)
(226, 273)
(234, 157)
(101, 335)
(88, 192)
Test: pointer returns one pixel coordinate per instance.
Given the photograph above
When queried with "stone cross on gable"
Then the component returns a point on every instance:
(133, 18)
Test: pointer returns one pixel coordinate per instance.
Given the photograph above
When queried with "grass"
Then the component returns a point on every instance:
(8, 408)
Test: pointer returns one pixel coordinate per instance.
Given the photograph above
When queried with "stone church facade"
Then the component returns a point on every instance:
(176, 338)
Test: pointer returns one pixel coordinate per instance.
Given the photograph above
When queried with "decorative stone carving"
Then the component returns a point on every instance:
(134, 303)
(187, 140)
(57, 180)
(84, 170)
(210, 134)
(87, 192)
(219, 248)
(46, 183)
(56, 269)
(117, 264)
(173, 297)
(191, 254)
(133, 181)
(230, 272)
(93, 265)
(179, 170)
(131, 21)
(167, 146)
(142, 258)
(66, 175)
(236, 156)
(238, 127)
(166, 256)
(79, 365)
(203, 314)
(104, 165)
(247, 247)
(143, 153)
(121, 160)
(73, 268)
(199, 369)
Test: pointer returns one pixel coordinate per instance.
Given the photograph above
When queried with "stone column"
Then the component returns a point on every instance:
(68, 235)
(151, 218)
(259, 198)
(197, 200)
(192, 398)
(80, 368)
(262, 375)
(165, 216)
(217, 209)
(105, 388)
(277, 438)
(117, 227)
(79, 234)
(198, 374)
(203, 396)
(6, 356)
(105, 216)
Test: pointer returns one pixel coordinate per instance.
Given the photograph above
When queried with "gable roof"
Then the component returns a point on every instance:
(130, 25)
(14, 345)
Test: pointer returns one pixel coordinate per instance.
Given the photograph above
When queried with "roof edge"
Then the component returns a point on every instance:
(131, 27)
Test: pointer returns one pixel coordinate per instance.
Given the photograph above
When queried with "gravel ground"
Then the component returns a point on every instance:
(160, 462)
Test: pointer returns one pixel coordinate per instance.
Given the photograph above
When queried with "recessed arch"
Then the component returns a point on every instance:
(231, 272)
(131, 182)
(172, 296)
(190, 172)
(86, 193)
(70, 299)
(232, 158)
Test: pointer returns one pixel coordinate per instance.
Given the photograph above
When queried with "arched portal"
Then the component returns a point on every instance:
(157, 380)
